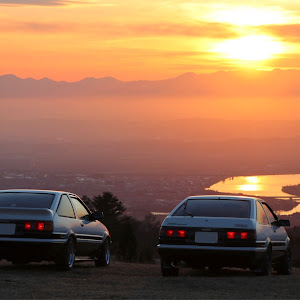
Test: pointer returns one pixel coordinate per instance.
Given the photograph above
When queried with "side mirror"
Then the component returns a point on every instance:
(97, 215)
(282, 223)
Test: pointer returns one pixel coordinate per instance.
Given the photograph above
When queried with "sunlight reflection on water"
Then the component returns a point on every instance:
(296, 209)
(264, 186)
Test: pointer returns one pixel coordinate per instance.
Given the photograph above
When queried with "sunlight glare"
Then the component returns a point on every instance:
(252, 179)
(251, 48)
(249, 187)
(244, 15)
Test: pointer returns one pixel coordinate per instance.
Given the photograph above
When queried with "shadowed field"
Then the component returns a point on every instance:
(138, 281)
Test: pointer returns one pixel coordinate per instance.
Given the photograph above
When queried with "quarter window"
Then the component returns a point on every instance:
(65, 208)
(261, 215)
(82, 212)
(269, 213)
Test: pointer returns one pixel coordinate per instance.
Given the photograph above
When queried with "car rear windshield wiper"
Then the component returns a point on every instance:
(186, 212)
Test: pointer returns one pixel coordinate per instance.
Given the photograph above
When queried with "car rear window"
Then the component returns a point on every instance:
(215, 208)
(27, 200)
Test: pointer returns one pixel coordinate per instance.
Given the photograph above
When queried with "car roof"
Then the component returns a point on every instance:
(34, 191)
(221, 197)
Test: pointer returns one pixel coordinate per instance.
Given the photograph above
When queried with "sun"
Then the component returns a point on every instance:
(250, 48)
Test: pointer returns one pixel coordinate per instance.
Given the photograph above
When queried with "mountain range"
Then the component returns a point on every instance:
(276, 83)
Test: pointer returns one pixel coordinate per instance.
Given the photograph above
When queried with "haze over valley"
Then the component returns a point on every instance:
(180, 125)
(152, 151)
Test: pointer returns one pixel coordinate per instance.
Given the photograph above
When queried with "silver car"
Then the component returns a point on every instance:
(224, 231)
(38, 225)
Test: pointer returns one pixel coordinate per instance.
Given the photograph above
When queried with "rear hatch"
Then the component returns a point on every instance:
(25, 221)
(208, 231)
(210, 222)
(25, 214)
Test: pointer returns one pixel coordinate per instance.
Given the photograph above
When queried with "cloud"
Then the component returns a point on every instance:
(38, 2)
(33, 27)
(289, 32)
(136, 52)
(112, 30)
(290, 61)
(201, 29)
(198, 68)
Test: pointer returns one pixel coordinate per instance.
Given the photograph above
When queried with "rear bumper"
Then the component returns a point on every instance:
(213, 255)
(30, 249)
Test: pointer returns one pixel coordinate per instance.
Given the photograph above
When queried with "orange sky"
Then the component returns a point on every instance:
(135, 39)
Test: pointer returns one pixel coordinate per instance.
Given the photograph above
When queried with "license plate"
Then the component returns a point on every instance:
(206, 237)
(7, 229)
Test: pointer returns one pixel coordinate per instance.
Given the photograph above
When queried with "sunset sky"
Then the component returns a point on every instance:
(134, 39)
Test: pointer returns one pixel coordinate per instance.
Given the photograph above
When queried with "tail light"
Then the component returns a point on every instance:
(244, 235)
(238, 235)
(230, 235)
(173, 233)
(181, 233)
(27, 226)
(170, 233)
(40, 226)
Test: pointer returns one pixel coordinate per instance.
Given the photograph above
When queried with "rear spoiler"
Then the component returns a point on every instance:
(23, 213)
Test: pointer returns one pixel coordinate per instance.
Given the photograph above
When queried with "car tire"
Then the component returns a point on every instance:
(266, 264)
(65, 261)
(167, 269)
(284, 266)
(103, 255)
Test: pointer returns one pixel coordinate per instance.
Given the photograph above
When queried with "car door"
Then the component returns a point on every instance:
(278, 233)
(65, 221)
(264, 229)
(91, 235)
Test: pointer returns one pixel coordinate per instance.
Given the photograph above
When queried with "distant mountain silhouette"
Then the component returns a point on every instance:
(234, 83)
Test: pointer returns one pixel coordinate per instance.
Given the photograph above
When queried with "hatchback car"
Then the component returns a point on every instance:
(224, 231)
(38, 225)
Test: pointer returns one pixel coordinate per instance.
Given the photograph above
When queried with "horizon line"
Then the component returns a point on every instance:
(167, 78)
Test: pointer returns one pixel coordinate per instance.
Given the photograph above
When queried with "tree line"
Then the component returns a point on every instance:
(132, 240)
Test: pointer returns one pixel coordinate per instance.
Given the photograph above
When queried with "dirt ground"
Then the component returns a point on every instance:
(139, 281)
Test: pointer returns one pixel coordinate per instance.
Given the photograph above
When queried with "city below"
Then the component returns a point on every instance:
(141, 194)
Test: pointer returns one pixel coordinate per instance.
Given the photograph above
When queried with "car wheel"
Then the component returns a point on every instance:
(66, 259)
(284, 266)
(167, 269)
(266, 265)
(103, 256)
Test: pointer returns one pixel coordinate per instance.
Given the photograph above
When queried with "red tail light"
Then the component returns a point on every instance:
(231, 235)
(169, 233)
(244, 235)
(173, 233)
(42, 226)
(181, 233)
(234, 235)
(27, 226)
